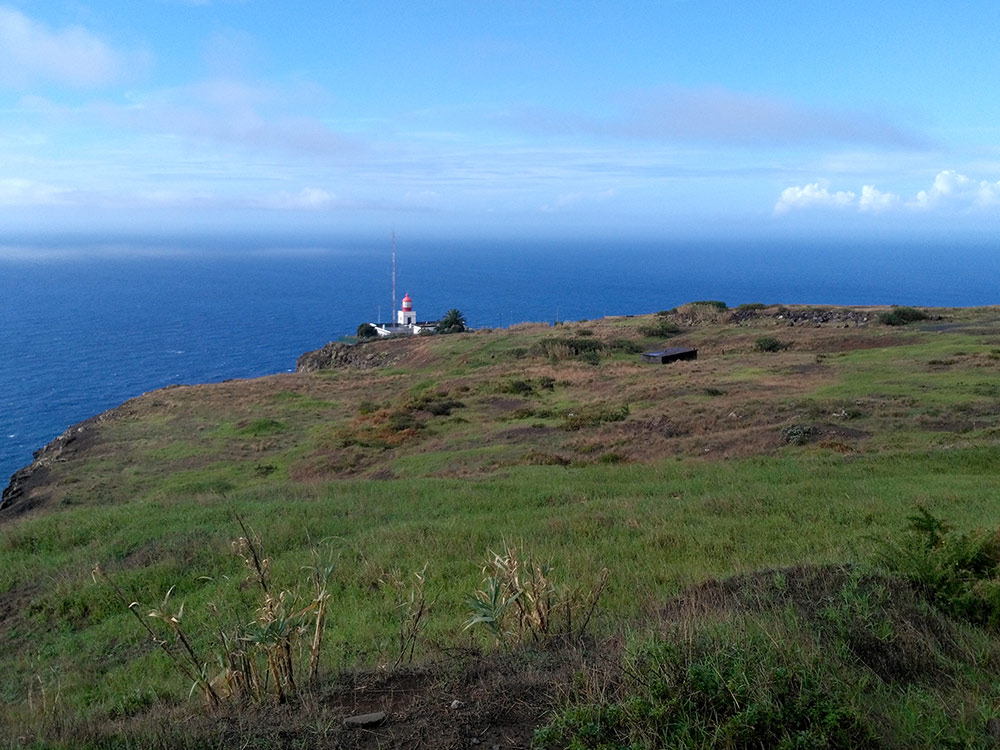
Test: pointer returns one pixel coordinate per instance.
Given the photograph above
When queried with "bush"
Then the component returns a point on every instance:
(661, 329)
(517, 387)
(900, 316)
(961, 571)
(798, 434)
(628, 346)
(561, 347)
(717, 304)
(769, 344)
(594, 415)
(367, 331)
(733, 690)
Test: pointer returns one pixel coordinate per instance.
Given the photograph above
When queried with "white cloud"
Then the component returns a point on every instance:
(567, 200)
(812, 195)
(719, 115)
(31, 52)
(307, 198)
(232, 112)
(873, 199)
(951, 192)
(21, 192)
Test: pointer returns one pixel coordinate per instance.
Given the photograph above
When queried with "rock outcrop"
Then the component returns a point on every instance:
(20, 495)
(336, 355)
(805, 316)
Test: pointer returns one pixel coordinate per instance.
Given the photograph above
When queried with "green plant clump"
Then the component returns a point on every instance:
(594, 415)
(962, 571)
(717, 692)
(769, 344)
(661, 329)
(452, 322)
(564, 347)
(797, 434)
(900, 316)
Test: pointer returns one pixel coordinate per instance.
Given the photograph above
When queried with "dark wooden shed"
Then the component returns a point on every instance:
(669, 355)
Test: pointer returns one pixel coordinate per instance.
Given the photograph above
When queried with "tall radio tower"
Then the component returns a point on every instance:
(391, 321)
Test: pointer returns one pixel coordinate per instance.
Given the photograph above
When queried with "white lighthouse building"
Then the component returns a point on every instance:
(406, 322)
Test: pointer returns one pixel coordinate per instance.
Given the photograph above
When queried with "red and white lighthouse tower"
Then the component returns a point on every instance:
(406, 316)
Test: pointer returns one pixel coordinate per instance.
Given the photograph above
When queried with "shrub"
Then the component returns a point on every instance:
(612, 457)
(661, 329)
(732, 689)
(717, 304)
(564, 347)
(443, 407)
(750, 306)
(519, 598)
(260, 654)
(594, 415)
(367, 331)
(961, 571)
(900, 316)
(798, 434)
(544, 458)
(769, 344)
(626, 345)
(517, 387)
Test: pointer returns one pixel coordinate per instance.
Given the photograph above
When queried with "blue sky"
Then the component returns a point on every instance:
(651, 119)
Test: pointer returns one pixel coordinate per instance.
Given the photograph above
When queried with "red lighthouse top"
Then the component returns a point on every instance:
(407, 303)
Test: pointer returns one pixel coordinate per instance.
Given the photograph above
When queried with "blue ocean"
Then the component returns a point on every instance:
(85, 326)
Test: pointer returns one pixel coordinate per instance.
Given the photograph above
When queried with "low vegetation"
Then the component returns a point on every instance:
(790, 550)
(900, 316)
(769, 344)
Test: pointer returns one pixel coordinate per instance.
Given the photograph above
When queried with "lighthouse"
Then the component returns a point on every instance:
(405, 316)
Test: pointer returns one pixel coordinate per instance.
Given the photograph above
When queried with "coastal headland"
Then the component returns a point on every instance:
(706, 548)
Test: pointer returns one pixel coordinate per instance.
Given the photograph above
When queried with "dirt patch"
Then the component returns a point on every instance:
(479, 701)
(529, 434)
(332, 463)
(502, 406)
(12, 604)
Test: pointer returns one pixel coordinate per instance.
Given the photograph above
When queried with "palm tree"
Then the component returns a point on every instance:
(452, 322)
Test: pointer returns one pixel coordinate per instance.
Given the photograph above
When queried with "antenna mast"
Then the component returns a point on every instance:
(393, 273)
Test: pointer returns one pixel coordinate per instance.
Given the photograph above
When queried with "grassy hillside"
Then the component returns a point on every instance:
(799, 443)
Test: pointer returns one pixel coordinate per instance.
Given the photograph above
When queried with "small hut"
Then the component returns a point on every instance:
(669, 355)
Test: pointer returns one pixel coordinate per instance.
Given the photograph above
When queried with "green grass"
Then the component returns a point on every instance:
(803, 658)
(657, 531)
